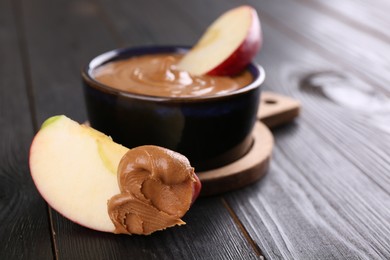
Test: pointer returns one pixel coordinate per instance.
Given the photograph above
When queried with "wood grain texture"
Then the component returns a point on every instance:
(62, 36)
(345, 45)
(149, 22)
(24, 226)
(210, 233)
(369, 16)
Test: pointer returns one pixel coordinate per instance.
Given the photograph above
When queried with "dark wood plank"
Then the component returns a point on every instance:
(369, 16)
(317, 208)
(62, 36)
(210, 233)
(356, 51)
(315, 76)
(149, 22)
(24, 225)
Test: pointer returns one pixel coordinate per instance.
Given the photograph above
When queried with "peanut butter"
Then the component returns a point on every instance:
(156, 188)
(157, 75)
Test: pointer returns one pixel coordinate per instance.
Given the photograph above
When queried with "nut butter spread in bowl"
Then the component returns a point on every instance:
(138, 97)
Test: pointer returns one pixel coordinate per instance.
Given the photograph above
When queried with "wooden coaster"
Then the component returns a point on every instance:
(276, 109)
(244, 171)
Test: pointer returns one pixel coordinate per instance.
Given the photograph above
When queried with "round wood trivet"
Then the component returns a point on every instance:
(246, 170)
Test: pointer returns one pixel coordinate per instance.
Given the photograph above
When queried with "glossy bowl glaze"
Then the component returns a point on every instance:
(211, 131)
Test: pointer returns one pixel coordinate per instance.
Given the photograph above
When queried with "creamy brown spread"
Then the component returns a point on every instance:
(156, 75)
(156, 188)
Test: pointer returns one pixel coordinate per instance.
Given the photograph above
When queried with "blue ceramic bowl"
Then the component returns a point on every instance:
(211, 131)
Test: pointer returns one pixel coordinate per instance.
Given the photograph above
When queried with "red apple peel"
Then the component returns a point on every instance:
(228, 45)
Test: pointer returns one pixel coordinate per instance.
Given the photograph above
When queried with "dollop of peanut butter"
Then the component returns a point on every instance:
(156, 186)
(157, 75)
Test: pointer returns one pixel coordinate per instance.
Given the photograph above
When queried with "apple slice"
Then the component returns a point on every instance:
(74, 168)
(228, 45)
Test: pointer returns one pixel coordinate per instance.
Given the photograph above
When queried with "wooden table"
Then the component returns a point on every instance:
(327, 192)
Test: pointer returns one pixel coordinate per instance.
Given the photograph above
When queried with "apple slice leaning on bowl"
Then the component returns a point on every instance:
(228, 45)
(74, 167)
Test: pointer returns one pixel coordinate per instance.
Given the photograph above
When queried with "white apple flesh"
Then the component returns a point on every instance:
(74, 169)
(228, 45)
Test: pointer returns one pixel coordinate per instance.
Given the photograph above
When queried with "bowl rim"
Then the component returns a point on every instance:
(255, 69)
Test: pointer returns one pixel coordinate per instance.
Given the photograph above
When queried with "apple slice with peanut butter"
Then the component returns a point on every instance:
(72, 166)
